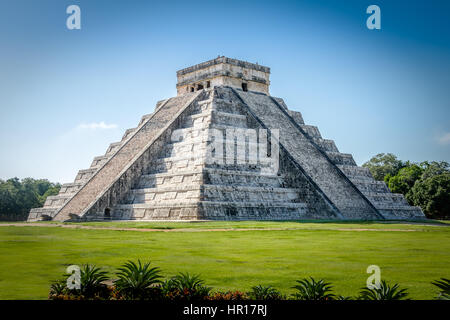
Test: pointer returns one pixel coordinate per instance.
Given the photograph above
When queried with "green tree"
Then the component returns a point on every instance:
(434, 168)
(18, 197)
(383, 164)
(404, 180)
(432, 195)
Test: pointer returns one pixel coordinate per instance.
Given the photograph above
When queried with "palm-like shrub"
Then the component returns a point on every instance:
(137, 281)
(91, 285)
(185, 286)
(91, 282)
(58, 289)
(260, 292)
(169, 285)
(384, 292)
(310, 289)
(444, 285)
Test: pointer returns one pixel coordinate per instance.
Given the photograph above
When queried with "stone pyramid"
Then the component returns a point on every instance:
(224, 149)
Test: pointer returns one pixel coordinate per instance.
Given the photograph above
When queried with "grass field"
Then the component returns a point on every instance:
(230, 255)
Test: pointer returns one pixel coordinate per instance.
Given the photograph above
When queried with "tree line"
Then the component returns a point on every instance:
(425, 184)
(17, 197)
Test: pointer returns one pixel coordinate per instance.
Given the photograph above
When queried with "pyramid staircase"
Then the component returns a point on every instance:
(181, 184)
(387, 204)
(159, 170)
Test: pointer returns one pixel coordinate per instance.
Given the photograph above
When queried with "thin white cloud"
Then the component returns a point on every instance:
(444, 138)
(97, 125)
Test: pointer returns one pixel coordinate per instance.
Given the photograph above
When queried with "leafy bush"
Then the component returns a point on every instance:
(185, 286)
(260, 292)
(91, 286)
(432, 195)
(17, 197)
(405, 179)
(138, 281)
(383, 164)
(229, 295)
(444, 285)
(384, 292)
(313, 290)
(58, 289)
(91, 282)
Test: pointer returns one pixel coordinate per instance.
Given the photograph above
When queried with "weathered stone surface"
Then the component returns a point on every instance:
(163, 168)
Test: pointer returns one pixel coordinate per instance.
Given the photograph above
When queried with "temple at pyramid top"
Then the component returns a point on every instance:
(223, 71)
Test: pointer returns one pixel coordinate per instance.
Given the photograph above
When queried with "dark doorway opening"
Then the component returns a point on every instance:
(107, 214)
(244, 86)
(208, 84)
(199, 87)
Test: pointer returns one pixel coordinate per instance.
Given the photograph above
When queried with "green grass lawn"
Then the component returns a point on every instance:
(412, 254)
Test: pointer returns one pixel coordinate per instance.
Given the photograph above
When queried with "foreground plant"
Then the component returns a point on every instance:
(444, 285)
(58, 289)
(185, 286)
(384, 292)
(137, 281)
(92, 279)
(91, 285)
(260, 292)
(310, 289)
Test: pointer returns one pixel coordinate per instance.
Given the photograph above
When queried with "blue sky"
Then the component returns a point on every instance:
(371, 91)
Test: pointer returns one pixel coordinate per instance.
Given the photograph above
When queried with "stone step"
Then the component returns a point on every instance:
(297, 116)
(312, 131)
(341, 158)
(199, 120)
(191, 192)
(218, 117)
(355, 172)
(326, 144)
(99, 161)
(400, 212)
(365, 185)
(386, 198)
(237, 193)
(205, 102)
(85, 174)
(227, 106)
(113, 148)
(127, 133)
(145, 118)
(203, 129)
(56, 201)
(39, 214)
(167, 179)
(202, 145)
(244, 178)
(210, 176)
(211, 210)
(190, 162)
(70, 187)
(225, 210)
(168, 195)
(233, 119)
